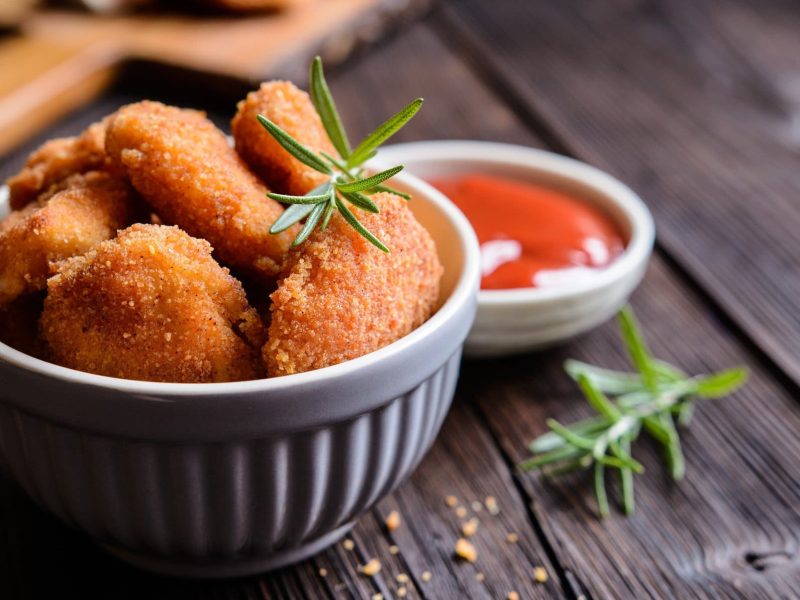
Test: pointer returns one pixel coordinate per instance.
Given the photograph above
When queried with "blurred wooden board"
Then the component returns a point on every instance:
(62, 58)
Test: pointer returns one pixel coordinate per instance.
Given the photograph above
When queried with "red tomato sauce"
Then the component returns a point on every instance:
(532, 236)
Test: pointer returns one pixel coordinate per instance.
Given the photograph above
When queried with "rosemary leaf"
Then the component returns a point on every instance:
(356, 224)
(367, 148)
(326, 108)
(293, 214)
(361, 185)
(310, 224)
(598, 399)
(637, 349)
(361, 201)
(293, 147)
(626, 480)
(720, 384)
(285, 199)
(391, 190)
(328, 212)
(654, 398)
(605, 380)
(600, 490)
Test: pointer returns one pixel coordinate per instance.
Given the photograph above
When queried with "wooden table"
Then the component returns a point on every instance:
(696, 105)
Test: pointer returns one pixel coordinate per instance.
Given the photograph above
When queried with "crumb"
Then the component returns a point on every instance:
(348, 544)
(402, 578)
(491, 505)
(426, 576)
(477, 506)
(401, 592)
(323, 572)
(513, 596)
(393, 550)
(470, 527)
(461, 512)
(451, 501)
(540, 574)
(377, 596)
(480, 576)
(512, 538)
(464, 549)
(393, 521)
(373, 567)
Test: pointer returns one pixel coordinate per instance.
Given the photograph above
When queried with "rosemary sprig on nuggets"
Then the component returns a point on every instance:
(346, 185)
(658, 398)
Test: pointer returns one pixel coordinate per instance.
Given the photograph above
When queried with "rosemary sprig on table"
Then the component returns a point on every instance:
(346, 184)
(656, 398)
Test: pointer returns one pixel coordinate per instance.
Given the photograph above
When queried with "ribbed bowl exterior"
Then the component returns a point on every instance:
(238, 502)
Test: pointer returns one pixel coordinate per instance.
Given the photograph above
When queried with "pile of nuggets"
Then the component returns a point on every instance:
(140, 249)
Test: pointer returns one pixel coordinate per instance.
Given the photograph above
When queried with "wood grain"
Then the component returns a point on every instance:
(677, 100)
(731, 528)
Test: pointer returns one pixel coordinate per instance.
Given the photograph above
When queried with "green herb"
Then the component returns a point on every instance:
(656, 398)
(346, 186)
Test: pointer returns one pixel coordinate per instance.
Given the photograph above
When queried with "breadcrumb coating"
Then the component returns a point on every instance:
(79, 213)
(339, 297)
(56, 160)
(292, 110)
(185, 169)
(152, 304)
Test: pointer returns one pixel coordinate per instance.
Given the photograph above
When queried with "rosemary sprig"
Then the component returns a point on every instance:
(346, 185)
(653, 398)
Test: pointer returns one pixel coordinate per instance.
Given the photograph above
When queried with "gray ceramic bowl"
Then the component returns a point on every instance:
(220, 480)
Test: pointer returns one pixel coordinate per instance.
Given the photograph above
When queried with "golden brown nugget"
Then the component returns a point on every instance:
(82, 212)
(185, 169)
(339, 297)
(152, 304)
(292, 110)
(56, 160)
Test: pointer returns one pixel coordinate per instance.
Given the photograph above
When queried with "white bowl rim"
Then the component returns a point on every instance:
(497, 154)
(463, 290)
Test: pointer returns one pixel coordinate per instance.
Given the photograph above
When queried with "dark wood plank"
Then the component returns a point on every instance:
(666, 96)
(731, 528)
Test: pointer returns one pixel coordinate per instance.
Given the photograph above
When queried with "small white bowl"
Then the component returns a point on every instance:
(518, 320)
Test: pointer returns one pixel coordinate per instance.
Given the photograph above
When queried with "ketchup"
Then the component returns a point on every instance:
(532, 236)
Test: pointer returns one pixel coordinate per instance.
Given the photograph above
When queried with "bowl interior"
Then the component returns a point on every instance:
(443, 159)
(457, 249)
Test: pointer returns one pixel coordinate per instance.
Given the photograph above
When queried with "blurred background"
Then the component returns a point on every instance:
(57, 55)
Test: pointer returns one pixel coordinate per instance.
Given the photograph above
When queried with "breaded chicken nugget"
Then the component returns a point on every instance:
(79, 213)
(339, 297)
(184, 167)
(292, 110)
(56, 160)
(152, 304)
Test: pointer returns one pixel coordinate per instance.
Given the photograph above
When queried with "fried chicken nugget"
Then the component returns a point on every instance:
(184, 167)
(339, 297)
(152, 304)
(56, 160)
(292, 110)
(76, 215)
